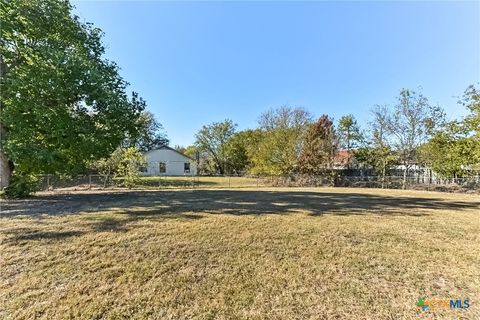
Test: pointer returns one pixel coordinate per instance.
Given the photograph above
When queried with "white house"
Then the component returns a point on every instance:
(169, 162)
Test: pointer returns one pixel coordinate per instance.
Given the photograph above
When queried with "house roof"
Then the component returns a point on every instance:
(172, 149)
(343, 156)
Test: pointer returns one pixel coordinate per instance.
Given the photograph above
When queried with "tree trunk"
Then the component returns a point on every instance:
(348, 148)
(384, 169)
(5, 170)
(6, 166)
(405, 178)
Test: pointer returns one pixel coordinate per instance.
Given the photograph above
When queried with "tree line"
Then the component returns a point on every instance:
(65, 110)
(411, 131)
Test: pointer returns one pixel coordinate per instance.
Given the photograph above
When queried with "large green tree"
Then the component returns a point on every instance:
(471, 100)
(239, 150)
(212, 140)
(448, 152)
(454, 149)
(149, 135)
(283, 130)
(62, 103)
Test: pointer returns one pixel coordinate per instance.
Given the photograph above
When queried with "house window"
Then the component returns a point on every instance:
(186, 167)
(143, 169)
(162, 167)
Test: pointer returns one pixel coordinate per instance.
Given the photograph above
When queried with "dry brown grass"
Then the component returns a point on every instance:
(239, 254)
(202, 182)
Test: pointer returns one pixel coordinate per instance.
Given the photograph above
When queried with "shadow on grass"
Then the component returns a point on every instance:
(120, 222)
(110, 224)
(137, 206)
(37, 235)
(182, 203)
(124, 218)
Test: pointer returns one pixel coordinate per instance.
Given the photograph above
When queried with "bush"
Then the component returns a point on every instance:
(123, 164)
(21, 186)
(129, 161)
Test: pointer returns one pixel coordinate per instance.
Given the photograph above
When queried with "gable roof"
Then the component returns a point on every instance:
(165, 147)
(343, 156)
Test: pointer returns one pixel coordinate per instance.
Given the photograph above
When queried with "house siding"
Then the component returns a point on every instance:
(174, 163)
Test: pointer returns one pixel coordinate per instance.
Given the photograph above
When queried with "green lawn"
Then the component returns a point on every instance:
(269, 253)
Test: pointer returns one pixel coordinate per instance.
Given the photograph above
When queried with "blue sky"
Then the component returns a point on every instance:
(199, 62)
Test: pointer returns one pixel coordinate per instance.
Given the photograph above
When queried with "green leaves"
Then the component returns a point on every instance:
(349, 132)
(22, 186)
(212, 140)
(149, 132)
(127, 163)
(239, 149)
(282, 131)
(454, 149)
(62, 103)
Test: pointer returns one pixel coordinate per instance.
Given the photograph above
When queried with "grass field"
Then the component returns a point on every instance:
(201, 181)
(239, 254)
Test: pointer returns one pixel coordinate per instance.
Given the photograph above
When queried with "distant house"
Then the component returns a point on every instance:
(166, 161)
(341, 158)
(344, 159)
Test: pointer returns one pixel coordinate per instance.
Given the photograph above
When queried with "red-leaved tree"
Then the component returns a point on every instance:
(320, 147)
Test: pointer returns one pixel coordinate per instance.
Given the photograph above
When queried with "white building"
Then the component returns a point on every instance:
(166, 161)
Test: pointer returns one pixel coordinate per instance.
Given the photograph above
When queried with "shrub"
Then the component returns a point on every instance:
(130, 160)
(21, 186)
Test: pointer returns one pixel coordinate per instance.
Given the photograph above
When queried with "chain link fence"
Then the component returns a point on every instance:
(97, 182)
(464, 184)
(50, 182)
